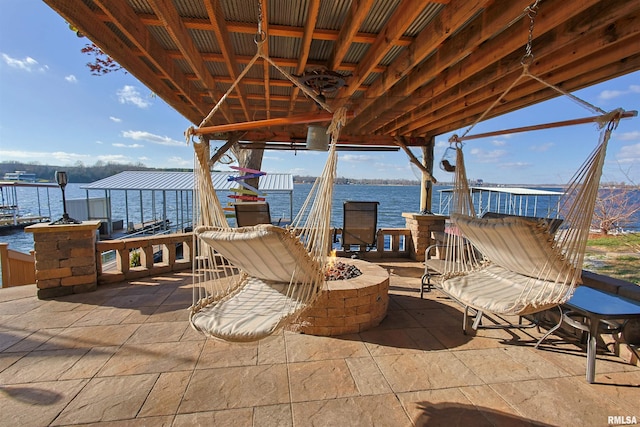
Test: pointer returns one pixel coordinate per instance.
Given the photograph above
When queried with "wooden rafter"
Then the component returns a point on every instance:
(486, 24)
(216, 16)
(425, 43)
(461, 55)
(560, 50)
(265, 64)
(175, 27)
(538, 93)
(312, 18)
(406, 12)
(274, 30)
(283, 62)
(357, 13)
(506, 48)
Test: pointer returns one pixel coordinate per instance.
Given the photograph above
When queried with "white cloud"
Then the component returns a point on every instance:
(113, 158)
(130, 95)
(179, 161)
(62, 157)
(356, 158)
(27, 64)
(115, 119)
(484, 156)
(299, 171)
(628, 136)
(629, 154)
(542, 147)
(515, 165)
(71, 78)
(611, 94)
(119, 145)
(99, 142)
(498, 143)
(139, 135)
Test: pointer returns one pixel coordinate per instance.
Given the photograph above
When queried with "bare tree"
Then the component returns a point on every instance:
(616, 206)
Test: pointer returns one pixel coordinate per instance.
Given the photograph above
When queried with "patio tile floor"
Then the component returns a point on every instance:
(126, 355)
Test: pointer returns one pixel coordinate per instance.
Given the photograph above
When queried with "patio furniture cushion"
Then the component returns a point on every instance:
(263, 251)
(254, 312)
(498, 290)
(519, 245)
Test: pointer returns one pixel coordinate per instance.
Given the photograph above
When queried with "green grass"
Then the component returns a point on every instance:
(615, 256)
(618, 243)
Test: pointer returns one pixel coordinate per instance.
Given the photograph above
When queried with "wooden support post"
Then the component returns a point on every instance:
(426, 186)
(399, 140)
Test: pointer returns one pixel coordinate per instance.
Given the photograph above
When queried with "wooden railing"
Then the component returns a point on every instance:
(390, 243)
(133, 258)
(17, 268)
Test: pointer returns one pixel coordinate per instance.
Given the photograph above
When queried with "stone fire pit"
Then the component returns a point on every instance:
(348, 306)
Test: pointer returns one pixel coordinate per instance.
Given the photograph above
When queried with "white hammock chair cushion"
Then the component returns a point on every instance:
(254, 312)
(519, 255)
(263, 251)
(270, 259)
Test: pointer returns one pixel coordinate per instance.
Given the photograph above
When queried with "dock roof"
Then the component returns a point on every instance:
(183, 181)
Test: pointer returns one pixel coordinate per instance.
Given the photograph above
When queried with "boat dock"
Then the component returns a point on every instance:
(11, 215)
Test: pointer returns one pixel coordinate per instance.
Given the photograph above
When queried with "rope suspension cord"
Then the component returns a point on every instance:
(514, 265)
(260, 38)
(249, 281)
(603, 117)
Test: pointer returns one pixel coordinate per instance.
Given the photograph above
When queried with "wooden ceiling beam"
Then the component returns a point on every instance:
(458, 78)
(274, 30)
(166, 11)
(216, 17)
(307, 38)
(574, 76)
(492, 20)
(459, 81)
(262, 135)
(404, 15)
(442, 26)
(282, 62)
(99, 33)
(265, 64)
(357, 13)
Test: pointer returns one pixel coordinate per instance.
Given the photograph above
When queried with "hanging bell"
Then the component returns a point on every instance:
(317, 138)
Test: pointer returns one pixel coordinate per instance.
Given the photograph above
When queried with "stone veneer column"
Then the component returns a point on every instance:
(422, 227)
(65, 258)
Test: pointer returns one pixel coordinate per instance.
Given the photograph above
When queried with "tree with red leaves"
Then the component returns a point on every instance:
(102, 63)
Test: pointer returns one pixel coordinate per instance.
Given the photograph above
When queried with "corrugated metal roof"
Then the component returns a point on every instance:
(183, 181)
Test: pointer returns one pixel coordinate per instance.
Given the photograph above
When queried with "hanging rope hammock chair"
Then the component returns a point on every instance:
(517, 265)
(251, 281)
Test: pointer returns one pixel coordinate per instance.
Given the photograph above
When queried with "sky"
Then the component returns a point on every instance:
(54, 112)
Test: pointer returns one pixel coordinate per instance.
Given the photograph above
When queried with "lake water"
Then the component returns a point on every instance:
(394, 200)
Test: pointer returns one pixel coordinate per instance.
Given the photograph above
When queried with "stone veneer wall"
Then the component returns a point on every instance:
(65, 258)
(348, 306)
(423, 228)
